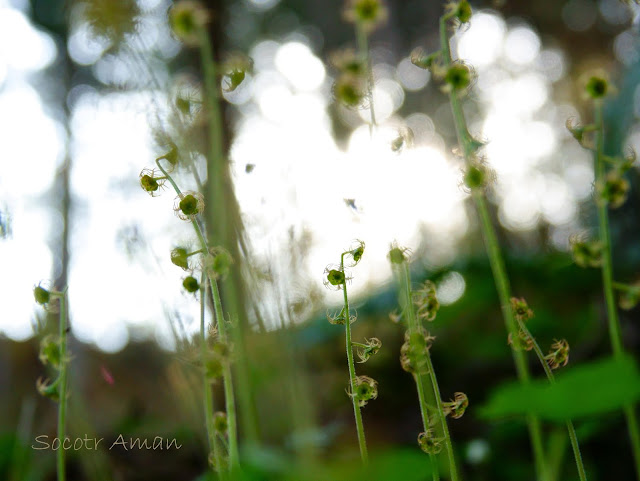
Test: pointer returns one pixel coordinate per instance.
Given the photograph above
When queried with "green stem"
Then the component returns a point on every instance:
(227, 379)
(495, 257)
(208, 397)
(223, 234)
(418, 378)
(219, 314)
(62, 406)
(607, 282)
(570, 429)
(363, 51)
(352, 372)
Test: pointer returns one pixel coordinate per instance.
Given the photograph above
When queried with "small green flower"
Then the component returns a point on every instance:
(373, 345)
(191, 284)
(521, 309)
(614, 189)
(41, 295)
(349, 90)
(426, 301)
(597, 87)
(186, 19)
(180, 257)
(559, 354)
(220, 423)
(368, 13)
(366, 389)
(50, 351)
(48, 389)
(235, 71)
(150, 181)
(397, 255)
(348, 62)
(188, 205)
(334, 277)
(457, 407)
(475, 177)
(458, 77)
(429, 443)
(586, 253)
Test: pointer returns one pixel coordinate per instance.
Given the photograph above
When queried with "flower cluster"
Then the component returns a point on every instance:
(559, 354)
(426, 302)
(414, 351)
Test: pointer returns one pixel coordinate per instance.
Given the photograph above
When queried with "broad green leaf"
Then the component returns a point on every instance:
(585, 390)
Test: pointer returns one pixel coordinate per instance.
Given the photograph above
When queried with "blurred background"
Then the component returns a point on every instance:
(84, 106)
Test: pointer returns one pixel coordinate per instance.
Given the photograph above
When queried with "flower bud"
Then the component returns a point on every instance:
(347, 62)
(150, 182)
(414, 351)
(334, 278)
(397, 255)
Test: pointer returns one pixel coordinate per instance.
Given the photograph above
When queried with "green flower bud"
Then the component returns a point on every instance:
(429, 443)
(180, 257)
(50, 351)
(368, 13)
(186, 19)
(458, 77)
(220, 423)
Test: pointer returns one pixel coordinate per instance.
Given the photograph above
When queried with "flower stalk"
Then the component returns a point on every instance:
(468, 145)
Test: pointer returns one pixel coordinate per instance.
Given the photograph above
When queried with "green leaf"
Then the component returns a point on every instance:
(585, 390)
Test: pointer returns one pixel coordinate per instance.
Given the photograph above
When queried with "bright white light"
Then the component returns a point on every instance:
(32, 144)
(302, 68)
(522, 45)
(480, 44)
(558, 205)
(22, 47)
(450, 288)
(83, 47)
(412, 77)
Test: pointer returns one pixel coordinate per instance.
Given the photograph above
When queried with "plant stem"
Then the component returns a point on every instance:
(352, 371)
(495, 257)
(227, 379)
(365, 57)
(223, 234)
(570, 429)
(607, 281)
(62, 406)
(219, 314)
(208, 397)
(424, 408)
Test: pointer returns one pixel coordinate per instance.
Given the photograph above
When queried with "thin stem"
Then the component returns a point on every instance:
(363, 51)
(570, 429)
(424, 408)
(495, 256)
(208, 397)
(607, 282)
(62, 406)
(352, 371)
(217, 177)
(219, 314)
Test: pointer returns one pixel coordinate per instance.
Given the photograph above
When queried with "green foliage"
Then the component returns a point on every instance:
(586, 390)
